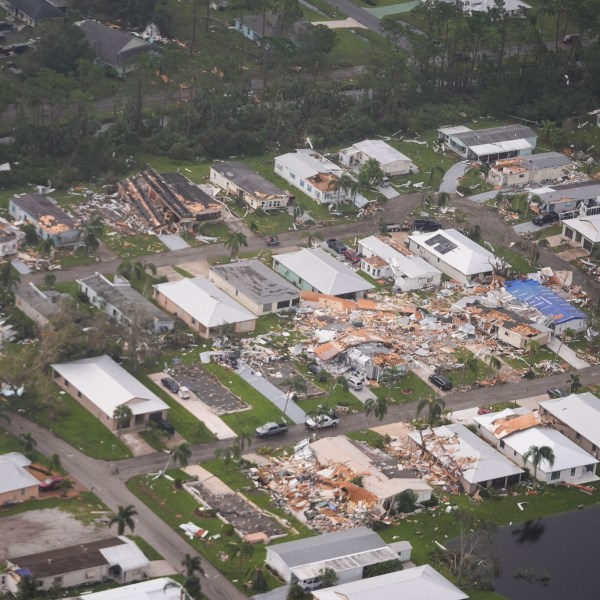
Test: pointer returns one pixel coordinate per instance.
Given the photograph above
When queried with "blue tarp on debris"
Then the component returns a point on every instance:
(549, 303)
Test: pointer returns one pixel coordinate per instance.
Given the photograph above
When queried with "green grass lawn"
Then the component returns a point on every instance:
(132, 246)
(262, 410)
(514, 258)
(473, 181)
(68, 420)
(371, 437)
(469, 377)
(409, 389)
(146, 548)
(356, 47)
(185, 423)
(545, 232)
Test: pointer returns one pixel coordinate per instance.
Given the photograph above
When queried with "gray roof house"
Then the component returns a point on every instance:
(112, 47)
(347, 552)
(40, 306)
(120, 301)
(116, 558)
(101, 385)
(255, 286)
(488, 145)
(317, 271)
(33, 12)
(418, 583)
(50, 220)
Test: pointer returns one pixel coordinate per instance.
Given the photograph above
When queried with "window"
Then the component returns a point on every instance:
(278, 167)
(578, 436)
(193, 321)
(309, 188)
(502, 444)
(78, 394)
(292, 175)
(573, 471)
(555, 475)
(302, 183)
(589, 468)
(594, 448)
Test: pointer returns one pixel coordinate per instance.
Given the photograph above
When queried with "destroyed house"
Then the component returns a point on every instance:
(416, 583)
(8, 239)
(466, 458)
(313, 174)
(242, 183)
(317, 271)
(515, 431)
(116, 558)
(574, 199)
(392, 161)
(488, 145)
(523, 170)
(167, 202)
(381, 260)
(40, 305)
(113, 47)
(124, 304)
(346, 552)
(255, 286)
(577, 417)
(50, 220)
(101, 385)
(560, 313)
(508, 327)
(454, 254)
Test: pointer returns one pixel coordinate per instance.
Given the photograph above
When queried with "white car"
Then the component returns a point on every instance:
(321, 422)
(184, 393)
(355, 383)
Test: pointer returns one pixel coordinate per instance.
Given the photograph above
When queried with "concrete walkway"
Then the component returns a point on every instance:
(451, 176)
(364, 394)
(201, 411)
(567, 354)
(483, 197)
(272, 393)
(348, 23)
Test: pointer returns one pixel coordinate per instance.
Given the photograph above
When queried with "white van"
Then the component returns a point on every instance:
(355, 383)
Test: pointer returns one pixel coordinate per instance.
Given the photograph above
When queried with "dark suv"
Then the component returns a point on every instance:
(441, 381)
(336, 245)
(163, 424)
(546, 218)
(170, 384)
(426, 225)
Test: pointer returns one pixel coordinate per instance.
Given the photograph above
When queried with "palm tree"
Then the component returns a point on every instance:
(233, 452)
(29, 441)
(9, 282)
(241, 550)
(390, 377)
(296, 592)
(93, 231)
(310, 236)
(192, 565)
(494, 363)
(65, 486)
(294, 384)
(435, 407)
(375, 407)
(328, 577)
(533, 347)
(234, 241)
(345, 183)
(124, 518)
(341, 382)
(179, 454)
(469, 361)
(122, 415)
(536, 454)
(574, 382)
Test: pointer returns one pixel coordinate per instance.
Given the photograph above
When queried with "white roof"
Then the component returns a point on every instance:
(109, 385)
(486, 5)
(589, 227)
(323, 272)
(408, 266)
(581, 412)
(307, 163)
(458, 444)
(13, 475)
(205, 302)
(381, 152)
(498, 147)
(567, 454)
(457, 250)
(153, 589)
(454, 130)
(417, 583)
(128, 555)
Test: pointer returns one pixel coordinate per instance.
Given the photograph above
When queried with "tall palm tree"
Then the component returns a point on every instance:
(469, 362)
(533, 347)
(295, 384)
(241, 550)
(536, 455)
(124, 518)
(192, 565)
(179, 454)
(93, 231)
(122, 415)
(390, 377)
(435, 407)
(494, 363)
(234, 241)
(311, 236)
(9, 282)
(343, 183)
(29, 441)
(375, 407)
(574, 382)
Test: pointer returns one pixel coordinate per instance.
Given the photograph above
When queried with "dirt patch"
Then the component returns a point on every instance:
(47, 529)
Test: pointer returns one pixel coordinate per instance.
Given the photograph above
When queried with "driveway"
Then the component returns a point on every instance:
(451, 176)
(483, 197)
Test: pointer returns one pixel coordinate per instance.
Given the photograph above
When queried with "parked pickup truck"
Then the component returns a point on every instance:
(321, 422)
(269, 429)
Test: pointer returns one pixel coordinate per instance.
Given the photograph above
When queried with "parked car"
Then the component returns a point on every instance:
(170, 384)
(397, 227)
(426, 225)
(351, 256)
(557, 393)
(269, 429)
(441, 381)
(336, 245)
(51, 483)
(354, 382)
(163, 424)
(314, 368)
(570, 39)
(273, 240)
(183, 393)
(321, 422)
(544, 219)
